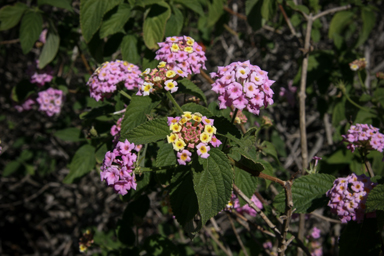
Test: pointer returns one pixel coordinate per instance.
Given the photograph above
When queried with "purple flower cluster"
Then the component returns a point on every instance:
(117, 168)
(50, 101)
(244, 85)
(39, 76)
(315, 233)
(103, 81)
(183, 53)
(348, 196)
(115, 129)
(364, 136)
(27, 105)
(234, 204)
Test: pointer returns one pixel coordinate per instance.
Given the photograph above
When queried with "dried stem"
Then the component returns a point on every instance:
(237, 235)
(293, 31)
(206, 76)
(288, 213)
(325, 218)
(239, 216)
(337, 9)
(222, 247)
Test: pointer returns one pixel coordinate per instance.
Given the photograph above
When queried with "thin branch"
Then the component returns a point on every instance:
(206, 76)
(229, 10)
(217, 241)
(13, 41)
(325, 218)
(337, 9)
(289, 204)
(239, 216)
(237, 235)
(293, 31)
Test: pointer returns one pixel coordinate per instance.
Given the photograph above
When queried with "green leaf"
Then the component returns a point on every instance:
(375, 200)
(175, 23)
(98, 113)
(10, 15)
(165, 155)
(270, 149)
(186, 86)
(225, 127)
(111, 4)
(246, 183)
(91, 15)
(369, 21)
(116, 22)
(308, 193)
(213, 184)
(154, 24)
(338, 22)
(360, 239)
(268, 9)
(193, 107)
(193, 5)
(57, 3)
(142, 185)
(253, 12)
(22, 91)
(215, 10)
(136, 112)
(338, 113)
(129, 49)
(100, 152)
(150, 131)
(82, 163)
(315, 35)
(11, 167)
(30, 29)
(183, 197)
(69, 134)
(301, 8)
(50, 49)
(158, 245)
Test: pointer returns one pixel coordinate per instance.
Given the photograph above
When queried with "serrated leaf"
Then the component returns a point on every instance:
(225, 127)
(268, 9)
(369, 21)
(375, 200)
(154, 24)
(10, 15)
(69, 134)
(165, 155)
(111, 4)
(116, 22)
(360, 239)
(150, 131)
(308, 193)
(215, 10)
(246, 183)
(338, 22)
(57, 3)
(50, 49)
(158, 245)
(301, 8)
(136, 112)
(186, 86)
(91, 15)
(183, 196)
(193, 107)
(174, 23)
(213, 184)
(30, 29)
(267, 169)
(82, 163)
(193, 5)
(270, 149)
(129, 49)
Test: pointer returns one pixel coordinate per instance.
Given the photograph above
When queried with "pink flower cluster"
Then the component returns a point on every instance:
(183, 54)
(118, 166)
(316, 248)
(348, 196)
(364, 136)
(315, 233)
(240, 117)
(39, 76)
(50, 101)
(103, 81)
(162, 77)
(27, 105)
(115, 129)
(191, 132)
(234, 204)
(244, 85)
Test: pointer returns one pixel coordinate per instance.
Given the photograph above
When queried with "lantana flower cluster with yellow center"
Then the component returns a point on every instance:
(190, 133)
(358, 64)
(162, 77)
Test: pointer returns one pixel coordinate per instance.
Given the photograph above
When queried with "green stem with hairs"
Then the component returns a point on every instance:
(362, 83)
(125, 94)
(178, 108)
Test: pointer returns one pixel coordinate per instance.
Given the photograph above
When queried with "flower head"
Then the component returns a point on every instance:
(364, 136)
(244, 85)
(50, 101)
(39, 76)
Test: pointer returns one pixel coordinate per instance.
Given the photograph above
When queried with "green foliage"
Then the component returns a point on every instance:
(339, 21)
(166, 155)
(186, 86)
(375, 200)
(246, 183)
(215, 10)
(82, 163)
(116, 22)
(155, 20)
(213, 184)
(150, 131)
(129, 49)
(268, 9)
(64, 4)
(69, 134)
(174, 23)
(50, 49)
(253, 12)
(298, 7)
(30, 29)
(308, 193)
(158, 245)
(193, 107)
(91, 15)
(193, 5)
(369, 20)
(11, 15)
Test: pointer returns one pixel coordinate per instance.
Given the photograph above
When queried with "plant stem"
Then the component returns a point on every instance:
(361, 82)
(125, 94)
(357, 105)
(178, 108)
